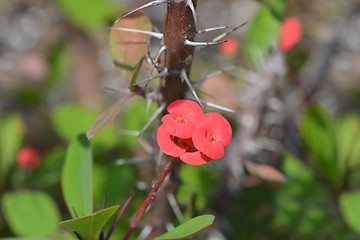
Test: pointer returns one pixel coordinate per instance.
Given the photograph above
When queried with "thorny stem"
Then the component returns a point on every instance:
(151, 195)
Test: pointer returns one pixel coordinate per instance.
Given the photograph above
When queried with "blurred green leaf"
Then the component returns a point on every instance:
(136, 73)
(12, 129)
(87, 227)
(71, 120)
(348, 142)
(263, 31)
(318, 135)
(50, 171)
(197, 180)
(189, 228)
(107, 117)
(350, 209)
(128, 47)
(30, 213)
(89, 15)
(77, 177)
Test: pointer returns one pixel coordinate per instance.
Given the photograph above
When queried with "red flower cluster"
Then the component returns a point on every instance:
(290, 34)
(193, 136)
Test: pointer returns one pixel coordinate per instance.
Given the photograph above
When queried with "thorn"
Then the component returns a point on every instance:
(195, 44)
(213, 29)
(221, 36)
(153, 117)
(153, 34)
(122, 210)
(209, 104)
(186, 79)
(162, 49)
(153, 3)
(175, 207)
(159, 75)
(75, 212)
(191, 6)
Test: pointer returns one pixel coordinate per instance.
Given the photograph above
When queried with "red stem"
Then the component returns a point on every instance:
(151, 195)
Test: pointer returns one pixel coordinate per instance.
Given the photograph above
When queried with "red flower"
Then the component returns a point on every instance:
(182, 117)
(213, 132)
(231, 47)
(191, 135)
(29, 158)
(290, 34)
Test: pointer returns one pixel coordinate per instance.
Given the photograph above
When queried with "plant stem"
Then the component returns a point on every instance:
(151, 195)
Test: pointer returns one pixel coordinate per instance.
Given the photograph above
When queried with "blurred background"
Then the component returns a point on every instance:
(292, 170)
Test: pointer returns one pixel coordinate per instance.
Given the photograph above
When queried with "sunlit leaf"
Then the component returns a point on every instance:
(12, 129)
(350, 209)
(318, 135)
(30, 213)
(77, 177)
(189, 228)
(87, 227)
(265, 172)
(128, 47)
(107, 117)
(89, 15)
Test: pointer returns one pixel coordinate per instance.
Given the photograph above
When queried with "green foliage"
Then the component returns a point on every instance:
(30, 213)
(89, 15)
(189, 228)
(77, 177)
(12, 130)
(197, 181)
(88, 227)
(350, 209)
(263, 31)
(71, 120)
(318, 135)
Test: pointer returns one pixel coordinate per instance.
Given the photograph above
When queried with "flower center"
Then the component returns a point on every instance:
(186, 144)
(210, 137)
(181, 120)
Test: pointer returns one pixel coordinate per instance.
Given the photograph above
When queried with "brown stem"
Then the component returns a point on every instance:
(151, 195)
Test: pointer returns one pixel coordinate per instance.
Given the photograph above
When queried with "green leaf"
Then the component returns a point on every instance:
(348, 142)
(264, 31)
(71, 120)
(12, 129)
(136, 73)
(77, 177)
(350, 209)
(128, 47)
(89, 15)
(107, 117)
(318, 135)
(189, 228)
(30, 213)
(87, 227)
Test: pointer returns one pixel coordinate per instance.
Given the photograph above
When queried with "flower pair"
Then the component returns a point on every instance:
(193, 136)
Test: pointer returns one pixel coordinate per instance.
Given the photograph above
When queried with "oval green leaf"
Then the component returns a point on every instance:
(318, 135)
(30, 213)
(12, 129)
(189, 228)
(87, 227)
(350, 209)
(128, 47)
(76, 177)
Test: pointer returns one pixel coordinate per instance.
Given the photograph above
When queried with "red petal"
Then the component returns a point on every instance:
(186, 108)
(195, 158)
(176, 129)
(214, 150)
(167, 144)
(217, 125)
(290, 34)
